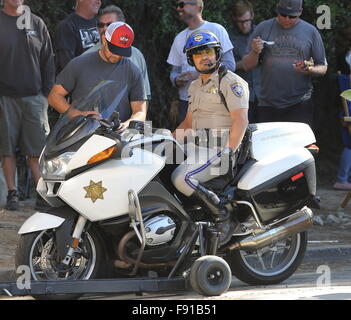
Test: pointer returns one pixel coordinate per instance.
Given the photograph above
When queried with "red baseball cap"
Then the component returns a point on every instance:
(120, 37)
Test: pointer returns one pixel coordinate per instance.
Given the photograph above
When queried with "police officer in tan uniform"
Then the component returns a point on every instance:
(217, 118)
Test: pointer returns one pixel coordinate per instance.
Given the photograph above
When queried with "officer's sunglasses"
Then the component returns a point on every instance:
(286, 15)
(207, 52)
(101, 25)
(183, 3)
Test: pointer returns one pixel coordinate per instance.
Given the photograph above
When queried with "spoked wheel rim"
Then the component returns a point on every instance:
(45, 266)
(273, 260)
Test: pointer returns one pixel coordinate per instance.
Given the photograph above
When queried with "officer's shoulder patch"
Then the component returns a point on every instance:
(237, 89)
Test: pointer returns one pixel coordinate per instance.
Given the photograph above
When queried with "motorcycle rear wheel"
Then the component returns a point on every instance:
(269, 265)
(38, 251)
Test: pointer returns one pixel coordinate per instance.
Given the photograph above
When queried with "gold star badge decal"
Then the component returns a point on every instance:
(95, 191)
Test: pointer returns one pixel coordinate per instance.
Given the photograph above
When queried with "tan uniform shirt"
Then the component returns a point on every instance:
(205, 102)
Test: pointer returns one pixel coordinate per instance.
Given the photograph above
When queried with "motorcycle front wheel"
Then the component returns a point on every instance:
(269, 265)
(38, 251)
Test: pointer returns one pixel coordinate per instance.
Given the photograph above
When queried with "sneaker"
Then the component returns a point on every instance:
(342, 186)
(41, 204)
(12, 203)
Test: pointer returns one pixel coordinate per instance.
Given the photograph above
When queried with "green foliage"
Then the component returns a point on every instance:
(156, 23)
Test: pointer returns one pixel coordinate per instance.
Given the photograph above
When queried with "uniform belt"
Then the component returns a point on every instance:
(208, 141)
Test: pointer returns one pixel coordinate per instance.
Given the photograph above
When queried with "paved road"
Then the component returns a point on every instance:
(327, 278)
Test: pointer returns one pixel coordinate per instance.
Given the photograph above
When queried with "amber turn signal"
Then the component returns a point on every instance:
(103, 155)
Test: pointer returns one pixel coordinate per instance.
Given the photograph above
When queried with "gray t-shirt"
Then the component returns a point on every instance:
(281, 85)
(138, 59)
(83, 73)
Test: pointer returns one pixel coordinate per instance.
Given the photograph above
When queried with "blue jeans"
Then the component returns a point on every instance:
(344, 172)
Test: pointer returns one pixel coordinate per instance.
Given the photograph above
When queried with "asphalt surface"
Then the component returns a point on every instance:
(328, 247)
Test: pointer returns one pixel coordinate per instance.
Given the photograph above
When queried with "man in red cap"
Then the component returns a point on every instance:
(83, 73)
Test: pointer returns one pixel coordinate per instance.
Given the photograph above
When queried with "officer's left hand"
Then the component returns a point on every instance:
(227, 160)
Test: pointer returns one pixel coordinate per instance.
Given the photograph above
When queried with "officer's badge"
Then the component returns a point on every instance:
(238, 90)
(198, 37)
(213, 90)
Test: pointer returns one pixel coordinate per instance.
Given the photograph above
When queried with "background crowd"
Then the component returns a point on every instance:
(75, 27)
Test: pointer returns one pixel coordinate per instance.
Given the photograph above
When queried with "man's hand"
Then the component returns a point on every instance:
(71, 113)
(257, 45)
(122, 127)
(183, 79)
(304, 67)
(228, 161)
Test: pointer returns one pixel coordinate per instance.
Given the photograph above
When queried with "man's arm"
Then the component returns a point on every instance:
(47, 65)
(250, 60)
(179, 79)
(318, 71)
(138, 113)
(238, 128)
(57, 99)
(313, 71)
(229, 61)
(187, 123)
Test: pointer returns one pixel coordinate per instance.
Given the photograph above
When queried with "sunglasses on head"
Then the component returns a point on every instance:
(102, 25)
(286, 15)
(183, 3)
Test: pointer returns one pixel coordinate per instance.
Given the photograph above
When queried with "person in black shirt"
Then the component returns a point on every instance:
(239, 34)
(77, 33)
(27, 76)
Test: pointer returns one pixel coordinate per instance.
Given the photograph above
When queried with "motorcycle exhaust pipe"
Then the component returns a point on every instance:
(297, 223)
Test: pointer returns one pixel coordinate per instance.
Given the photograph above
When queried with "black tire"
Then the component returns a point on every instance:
(201, 272)
(241, 270)
(22, 257)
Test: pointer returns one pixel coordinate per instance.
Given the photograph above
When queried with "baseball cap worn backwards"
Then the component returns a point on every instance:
(120, 37)
(289, 7)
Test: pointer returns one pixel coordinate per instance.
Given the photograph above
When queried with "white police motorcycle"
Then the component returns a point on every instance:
(114, 212)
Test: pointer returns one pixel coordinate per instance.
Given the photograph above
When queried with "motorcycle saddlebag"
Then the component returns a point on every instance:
(282, 194)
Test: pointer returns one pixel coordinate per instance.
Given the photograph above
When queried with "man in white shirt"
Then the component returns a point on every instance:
(182, 73)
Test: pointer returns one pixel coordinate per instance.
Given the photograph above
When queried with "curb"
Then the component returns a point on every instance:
(8, 275)
(335, 252)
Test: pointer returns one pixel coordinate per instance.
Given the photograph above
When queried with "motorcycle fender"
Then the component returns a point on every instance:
(40, 221)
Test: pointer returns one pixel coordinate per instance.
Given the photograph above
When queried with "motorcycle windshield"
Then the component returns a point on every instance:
(104, 99)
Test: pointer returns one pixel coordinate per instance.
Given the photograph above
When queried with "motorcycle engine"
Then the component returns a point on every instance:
(159, 230)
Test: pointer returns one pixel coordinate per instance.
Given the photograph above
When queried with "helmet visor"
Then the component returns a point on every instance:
(205, 52)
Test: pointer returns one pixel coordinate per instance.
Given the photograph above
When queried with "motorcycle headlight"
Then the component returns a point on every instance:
(55, 168)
